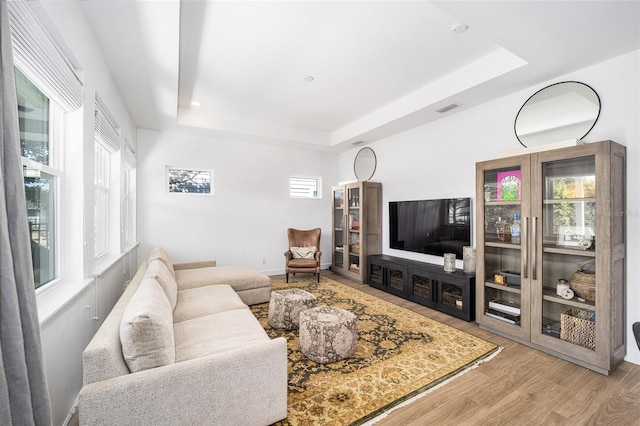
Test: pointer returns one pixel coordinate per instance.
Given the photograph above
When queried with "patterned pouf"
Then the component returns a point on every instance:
(327, 334)
(286, 305)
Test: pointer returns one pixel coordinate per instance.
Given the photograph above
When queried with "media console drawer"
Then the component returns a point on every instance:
(424, 283)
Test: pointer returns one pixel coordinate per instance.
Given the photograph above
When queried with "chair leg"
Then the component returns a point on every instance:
(318, 274)
(287, 277)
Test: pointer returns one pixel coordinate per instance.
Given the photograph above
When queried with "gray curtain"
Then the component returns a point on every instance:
(25, 398)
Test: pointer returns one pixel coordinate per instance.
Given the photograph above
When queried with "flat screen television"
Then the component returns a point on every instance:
(430, 226)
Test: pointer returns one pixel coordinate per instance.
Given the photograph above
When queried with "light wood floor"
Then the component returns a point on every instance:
(520, 386)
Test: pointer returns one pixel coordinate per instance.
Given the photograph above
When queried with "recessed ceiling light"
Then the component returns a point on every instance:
(459, 27)
(309, 78)
(195, 103)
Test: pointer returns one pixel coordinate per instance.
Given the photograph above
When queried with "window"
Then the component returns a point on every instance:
(101, 204)
(107, 143)
(189, 181)
(305, 187)
(128, 218)
(37, 118)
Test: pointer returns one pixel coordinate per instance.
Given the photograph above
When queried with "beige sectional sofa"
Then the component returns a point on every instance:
(178, 349)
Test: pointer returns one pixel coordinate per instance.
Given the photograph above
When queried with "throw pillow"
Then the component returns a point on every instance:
(303, 252)
(160, 253)
(146, 328)
(159, 271)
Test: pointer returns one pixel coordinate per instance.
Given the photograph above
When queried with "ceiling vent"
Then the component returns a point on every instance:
(447, 108)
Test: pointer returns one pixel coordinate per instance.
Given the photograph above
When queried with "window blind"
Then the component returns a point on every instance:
(129, 156)
(303, 187)
(42, 59)
(107, 131)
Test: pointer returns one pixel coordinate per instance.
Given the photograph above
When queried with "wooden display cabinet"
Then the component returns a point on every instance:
(357, 227)
(571, 203)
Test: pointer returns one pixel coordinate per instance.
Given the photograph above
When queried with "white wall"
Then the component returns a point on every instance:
(246, 219)
(437, 160)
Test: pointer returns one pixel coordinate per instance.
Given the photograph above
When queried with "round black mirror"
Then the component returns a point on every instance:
(561, 111)
(364, 165)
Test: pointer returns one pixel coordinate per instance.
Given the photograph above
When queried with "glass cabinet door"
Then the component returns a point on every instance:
(566, 298)
(338, 228)
(353, 228)
(504, 245)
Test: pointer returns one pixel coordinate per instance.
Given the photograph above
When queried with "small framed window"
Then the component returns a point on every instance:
(305, 187)
(189, 181)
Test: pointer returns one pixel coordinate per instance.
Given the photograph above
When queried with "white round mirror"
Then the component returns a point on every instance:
(364, 166)
(561, 111)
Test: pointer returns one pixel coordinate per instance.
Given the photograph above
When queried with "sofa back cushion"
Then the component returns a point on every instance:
(161, 254)
(159, 272)
(146, 328)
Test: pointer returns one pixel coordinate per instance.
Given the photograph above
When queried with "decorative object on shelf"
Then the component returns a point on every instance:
(500, 279)
(515, 229)
(585, 244)
(509, 187)
(561, 286)
(449, 262)
(559, 119)
(567, 293)
(578, 327)
(469, 260)
(583, 281)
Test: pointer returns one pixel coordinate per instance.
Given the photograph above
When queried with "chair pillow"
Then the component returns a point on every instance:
(303, 252)
(160, 253)
(146, 328)
(157, 270)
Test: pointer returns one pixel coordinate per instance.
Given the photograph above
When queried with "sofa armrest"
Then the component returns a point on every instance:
(194, 265)
(243, 386)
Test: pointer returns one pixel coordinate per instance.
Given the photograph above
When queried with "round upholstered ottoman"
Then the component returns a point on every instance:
(327, 334)
(285, 307)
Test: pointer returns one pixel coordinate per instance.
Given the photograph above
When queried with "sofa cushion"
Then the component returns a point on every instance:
(160, 253)
(217, 333)
(238, 277)
(159, 271)
(146, 328)
(207, 300)
(303, 252)
(303, 263)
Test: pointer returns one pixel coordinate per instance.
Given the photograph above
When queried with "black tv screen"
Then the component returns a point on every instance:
(430, 226)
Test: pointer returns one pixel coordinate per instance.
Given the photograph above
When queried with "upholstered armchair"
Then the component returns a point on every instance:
(304, 252)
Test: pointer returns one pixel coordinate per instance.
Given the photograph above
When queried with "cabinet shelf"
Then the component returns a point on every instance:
(500, 244)
(568, 200)
(509, 289)
(569, 251)
(551, 296)
(502, 202)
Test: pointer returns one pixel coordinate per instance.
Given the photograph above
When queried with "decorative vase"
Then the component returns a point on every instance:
(449, 262)
(469, 260)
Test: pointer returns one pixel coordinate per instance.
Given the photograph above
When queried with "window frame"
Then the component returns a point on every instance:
(318, 187)
(55, 170)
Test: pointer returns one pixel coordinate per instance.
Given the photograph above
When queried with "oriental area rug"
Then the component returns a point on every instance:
(399, 354)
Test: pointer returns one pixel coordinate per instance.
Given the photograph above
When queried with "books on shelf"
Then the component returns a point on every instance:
(503, 316)
(505, 306)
